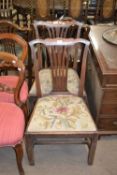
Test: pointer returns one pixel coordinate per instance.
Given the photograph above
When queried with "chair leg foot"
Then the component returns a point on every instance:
(92, 149)
(29, 149)
(19, 156)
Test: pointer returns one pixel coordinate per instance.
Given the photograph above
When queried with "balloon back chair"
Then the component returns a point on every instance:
(12, 119)
(60, 114)
(16, 45)
(21, 47)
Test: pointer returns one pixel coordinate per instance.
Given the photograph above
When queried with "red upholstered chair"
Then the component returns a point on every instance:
(60, 114)
(12, 120)
(13, 43)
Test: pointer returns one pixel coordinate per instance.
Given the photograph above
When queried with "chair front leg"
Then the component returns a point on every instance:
(92, 149)
(19, 156)
(30, 149)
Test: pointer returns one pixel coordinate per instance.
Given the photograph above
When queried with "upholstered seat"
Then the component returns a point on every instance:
(11, 82)
(61, 113)
(46, 82)
(11, 126)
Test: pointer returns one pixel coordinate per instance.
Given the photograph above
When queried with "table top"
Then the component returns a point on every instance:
(106, 53)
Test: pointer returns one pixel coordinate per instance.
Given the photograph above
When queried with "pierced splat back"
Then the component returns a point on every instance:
(58, 28)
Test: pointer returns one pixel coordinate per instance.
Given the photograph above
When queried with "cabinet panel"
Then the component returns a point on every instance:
(108, 109)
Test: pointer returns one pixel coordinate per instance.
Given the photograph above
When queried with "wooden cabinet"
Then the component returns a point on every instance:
(101, 83)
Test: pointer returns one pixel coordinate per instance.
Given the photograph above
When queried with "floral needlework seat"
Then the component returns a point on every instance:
(61, 113)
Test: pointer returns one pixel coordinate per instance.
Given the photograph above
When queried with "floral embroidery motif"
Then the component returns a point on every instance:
(61, 110)
(61, 113)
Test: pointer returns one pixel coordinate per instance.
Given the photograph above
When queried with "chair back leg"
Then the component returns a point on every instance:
(30, 149)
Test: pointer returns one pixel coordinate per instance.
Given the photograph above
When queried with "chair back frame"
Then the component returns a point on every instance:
(58, 28)
(58, 53)
(9, 41)
(7, 26)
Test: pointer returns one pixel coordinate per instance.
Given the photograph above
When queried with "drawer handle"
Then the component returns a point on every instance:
(115, 123)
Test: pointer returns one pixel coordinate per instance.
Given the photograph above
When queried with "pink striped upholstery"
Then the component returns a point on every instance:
(11, 124)
(11, 81)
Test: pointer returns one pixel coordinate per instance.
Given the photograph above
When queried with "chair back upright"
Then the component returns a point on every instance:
(107, 10)
(43, 9)
(6, 9)
(58, 55)
(78, 9)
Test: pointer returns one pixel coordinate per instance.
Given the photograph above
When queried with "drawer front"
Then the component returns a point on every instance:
(110, 96)
(107, 124)
(108, 109)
